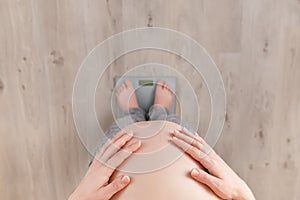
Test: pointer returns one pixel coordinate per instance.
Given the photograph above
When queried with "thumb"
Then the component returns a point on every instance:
(115, 186)
(203, 177)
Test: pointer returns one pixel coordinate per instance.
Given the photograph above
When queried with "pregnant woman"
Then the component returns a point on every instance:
(198, 174)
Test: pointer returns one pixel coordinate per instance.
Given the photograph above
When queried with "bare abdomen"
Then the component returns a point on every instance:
(171, 181)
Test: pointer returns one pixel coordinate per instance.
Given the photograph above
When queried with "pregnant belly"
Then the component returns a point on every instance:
(159, 170)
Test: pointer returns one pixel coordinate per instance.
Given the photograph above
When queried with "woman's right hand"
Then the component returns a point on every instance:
(96, 184)
(219, 177)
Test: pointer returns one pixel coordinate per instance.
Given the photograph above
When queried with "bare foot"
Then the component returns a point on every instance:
(163, 95)
(126, 96)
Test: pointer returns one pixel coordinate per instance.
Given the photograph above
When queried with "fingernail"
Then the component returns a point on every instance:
(135, 145)
(139, 142)
(195, 172)
(176, 131)
(125, 180)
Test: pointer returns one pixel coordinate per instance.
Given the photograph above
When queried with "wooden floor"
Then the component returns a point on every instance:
(256, 45)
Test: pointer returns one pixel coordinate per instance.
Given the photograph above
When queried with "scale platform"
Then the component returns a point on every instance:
(145, 90)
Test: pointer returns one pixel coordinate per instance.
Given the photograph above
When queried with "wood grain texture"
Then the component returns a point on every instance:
(256, 45)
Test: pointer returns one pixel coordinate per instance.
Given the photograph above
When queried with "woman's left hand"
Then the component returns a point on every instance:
(219, 177)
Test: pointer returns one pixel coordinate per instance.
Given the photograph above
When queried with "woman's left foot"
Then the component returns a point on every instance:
(126, 96)
(163, 95)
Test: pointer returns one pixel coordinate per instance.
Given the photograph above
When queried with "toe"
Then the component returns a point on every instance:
(120, 89)
(165, 85)
(123, 86)
(128, 83)
(168, 88)
(160, 84)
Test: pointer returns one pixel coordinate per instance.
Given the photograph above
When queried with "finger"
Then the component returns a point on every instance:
(206, 160)
(214, 183)
(115, 147)
(204, 147)
(101, 175)
(192, 135)
(98, 161)
(115, 161)
(187, 139)
(115, 186)
(110, 141)
(186, 147)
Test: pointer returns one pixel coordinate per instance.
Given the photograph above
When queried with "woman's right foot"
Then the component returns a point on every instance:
(126, 96)
(163, 95)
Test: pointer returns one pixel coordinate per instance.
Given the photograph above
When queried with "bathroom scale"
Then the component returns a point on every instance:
(145, 89)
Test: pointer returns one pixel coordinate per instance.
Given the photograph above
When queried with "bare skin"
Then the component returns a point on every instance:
(97, 183)
(165, 181)
(163, 95)
(218, 176)
(103, 181)
(126, 96)
(127, 99)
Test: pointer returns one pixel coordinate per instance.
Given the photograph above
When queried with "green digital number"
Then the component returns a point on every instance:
(145, 82)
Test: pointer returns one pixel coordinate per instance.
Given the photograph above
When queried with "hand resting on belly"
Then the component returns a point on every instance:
(159, 170)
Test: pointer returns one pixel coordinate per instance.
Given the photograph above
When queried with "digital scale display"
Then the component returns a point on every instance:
(145, 82)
